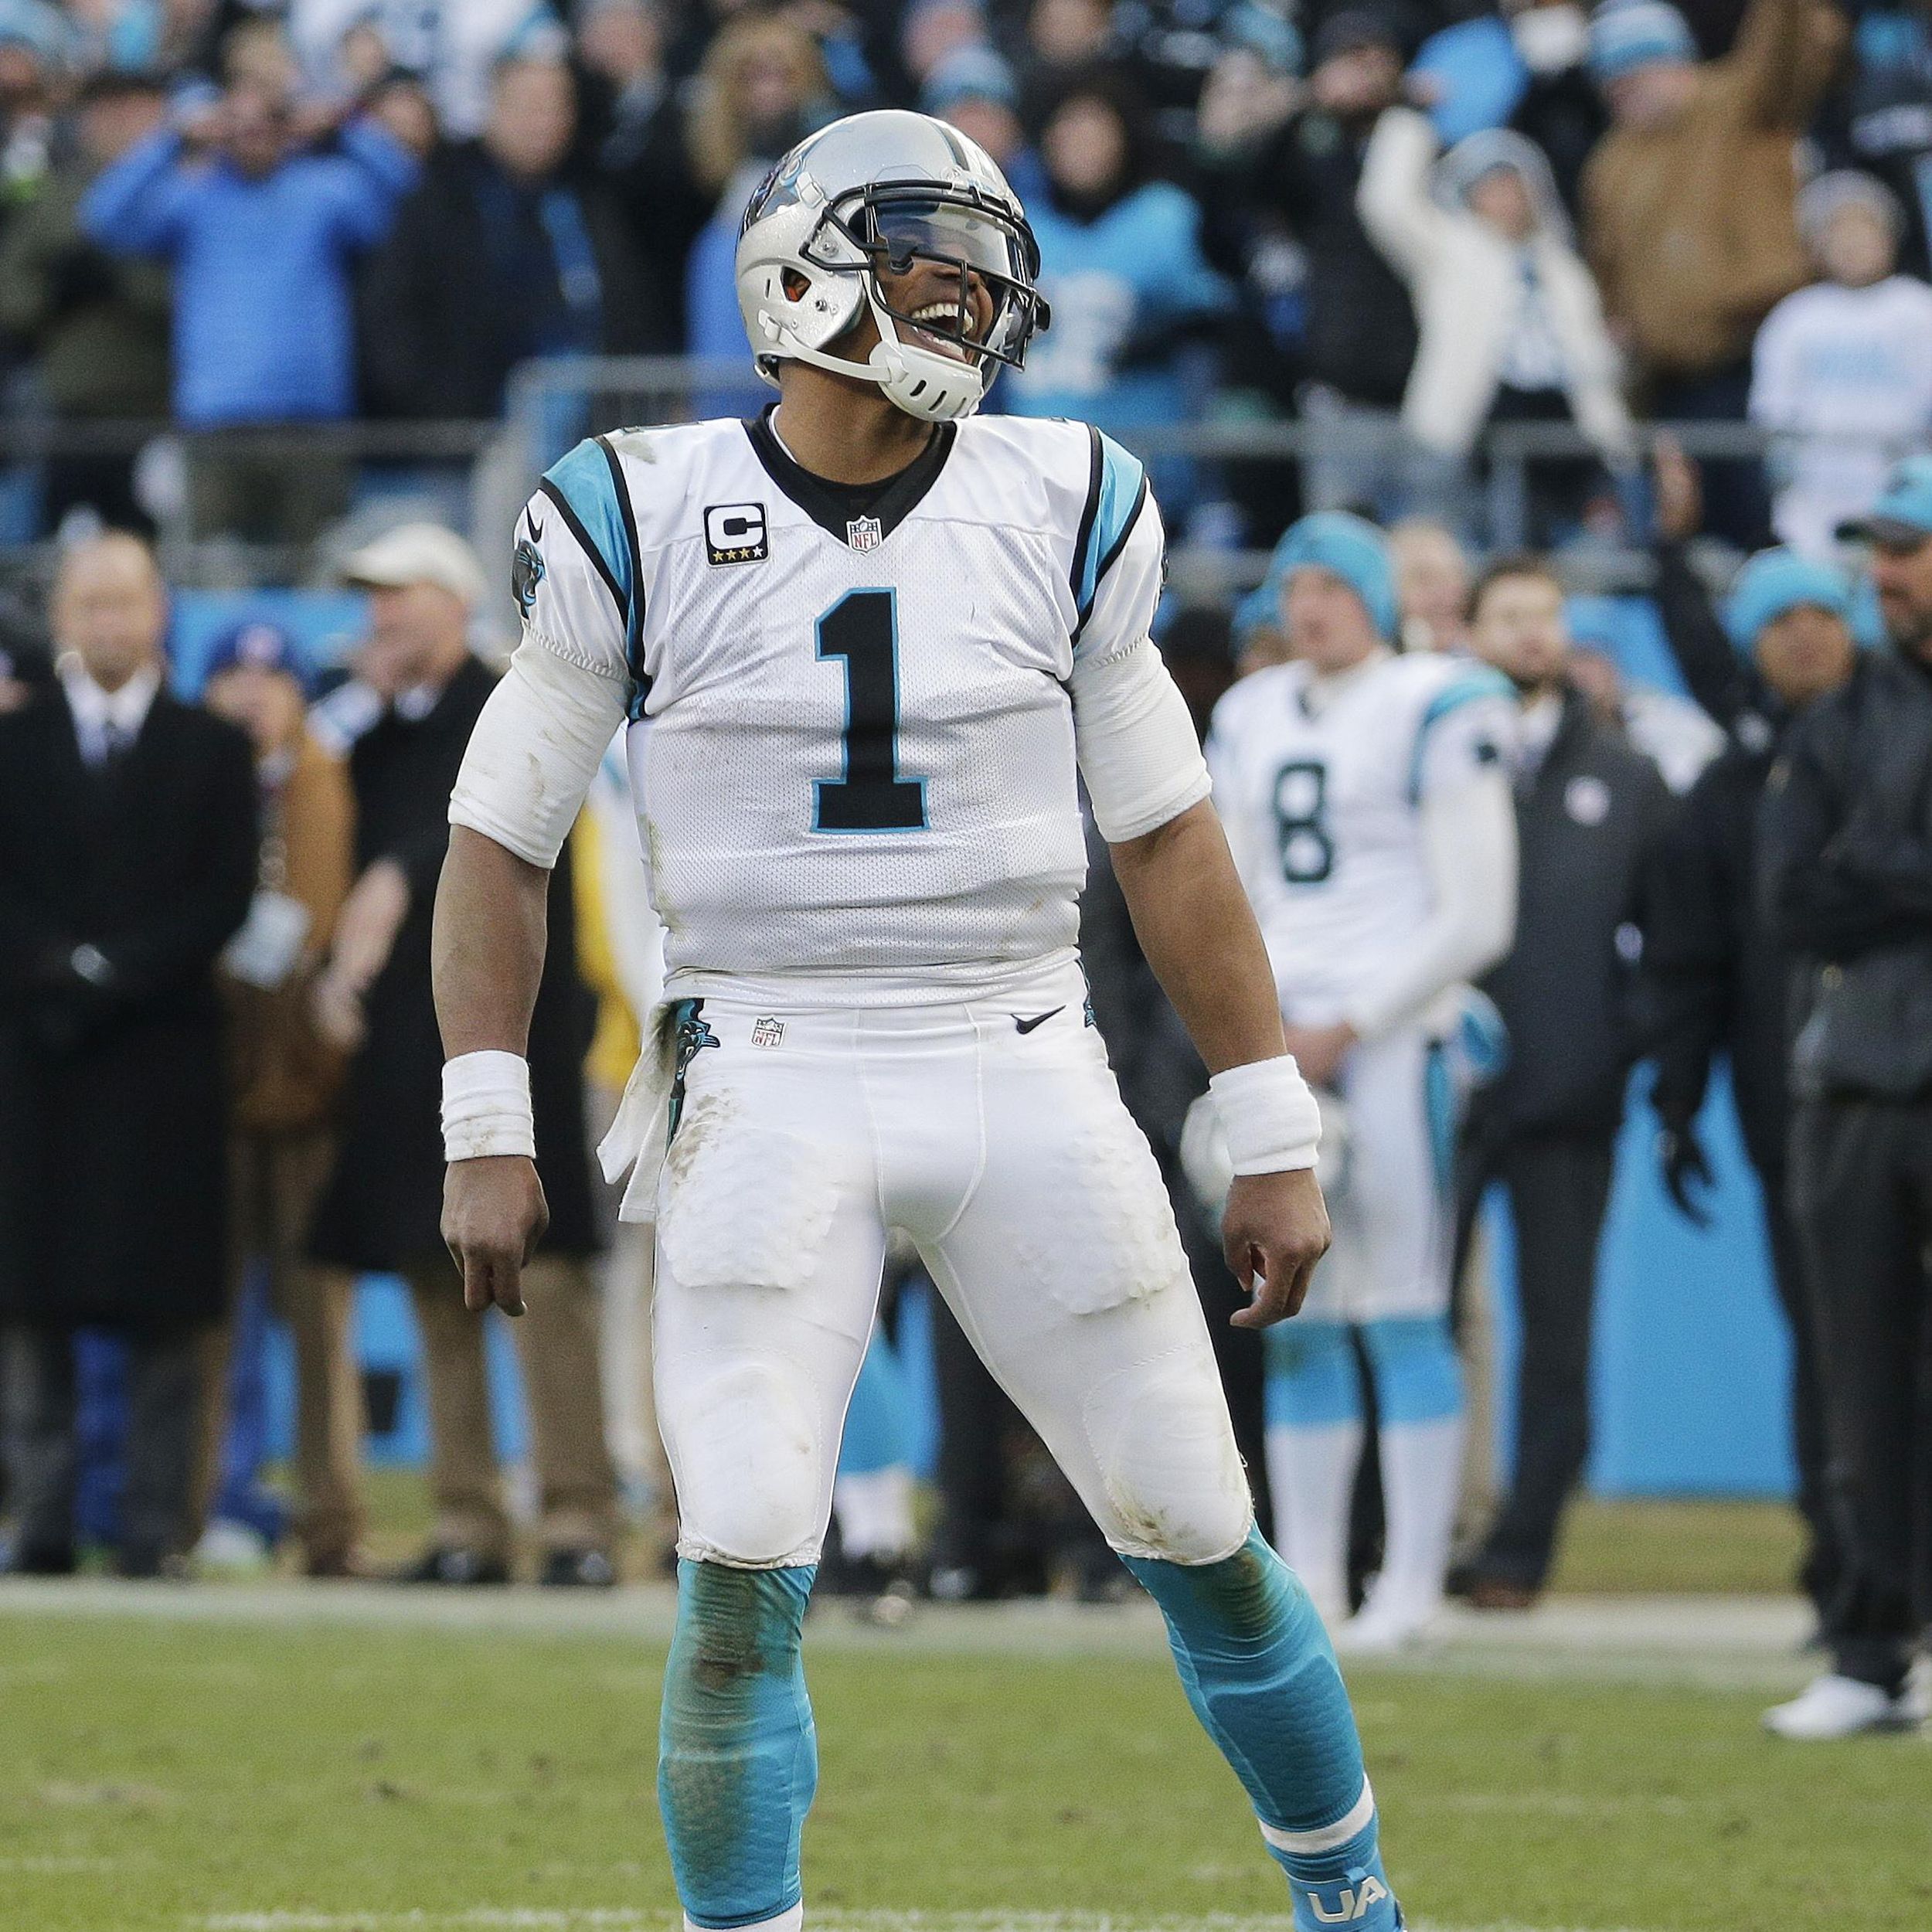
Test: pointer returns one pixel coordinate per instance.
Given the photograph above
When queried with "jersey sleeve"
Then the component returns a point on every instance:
(1468, 730)
(1120, 555)
(576, 574)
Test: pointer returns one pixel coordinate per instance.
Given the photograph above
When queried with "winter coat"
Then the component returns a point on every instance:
(383, 1207)
(1588, 820)
(285, 1076)
(114, 1101)
(1466, 280)
(1691, 227)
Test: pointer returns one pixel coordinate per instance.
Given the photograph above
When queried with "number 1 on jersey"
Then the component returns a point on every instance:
(862, 627)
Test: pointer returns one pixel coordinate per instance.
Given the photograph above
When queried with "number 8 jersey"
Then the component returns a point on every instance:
(854, 714)
(1321, 782)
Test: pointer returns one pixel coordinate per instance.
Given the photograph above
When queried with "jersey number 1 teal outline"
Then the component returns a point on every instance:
(862, 628)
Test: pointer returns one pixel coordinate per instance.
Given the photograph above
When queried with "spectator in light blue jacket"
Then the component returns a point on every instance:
(1121, 262)
(262, 236)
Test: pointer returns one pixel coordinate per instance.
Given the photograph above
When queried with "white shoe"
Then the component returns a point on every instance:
(1836, 1707)
(1387, 1624)
(233, 1549)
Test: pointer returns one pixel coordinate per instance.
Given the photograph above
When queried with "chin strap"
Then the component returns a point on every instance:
(922, 382)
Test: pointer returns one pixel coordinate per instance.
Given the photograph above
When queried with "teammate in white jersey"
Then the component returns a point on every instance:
(865, 644)
(1367, 798)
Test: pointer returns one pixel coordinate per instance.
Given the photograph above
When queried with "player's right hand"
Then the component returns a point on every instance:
(493, 1215)
(1275, 1230)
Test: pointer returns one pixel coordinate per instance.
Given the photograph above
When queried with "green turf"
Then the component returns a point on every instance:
(159, 1775)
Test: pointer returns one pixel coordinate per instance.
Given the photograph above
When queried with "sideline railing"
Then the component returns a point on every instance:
(477, 475)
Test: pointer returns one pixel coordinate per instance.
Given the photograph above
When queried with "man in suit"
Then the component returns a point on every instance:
(1590, 810)
(127, 840)
(383, 1207)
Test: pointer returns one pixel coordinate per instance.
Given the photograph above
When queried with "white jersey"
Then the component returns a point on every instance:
(1321, 782)
(853, 732)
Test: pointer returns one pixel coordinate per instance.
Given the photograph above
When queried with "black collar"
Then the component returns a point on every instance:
(835, 507)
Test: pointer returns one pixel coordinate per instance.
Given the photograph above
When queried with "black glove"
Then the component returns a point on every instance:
(1686, 1171)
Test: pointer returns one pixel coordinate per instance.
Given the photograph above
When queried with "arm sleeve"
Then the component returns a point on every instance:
(374, 173)
(1689, 989)
(541, 735)
(1393, 199)
(1469, 850)
(1137, 751)
(1782, 56)
(1696, 638)
(136, 206)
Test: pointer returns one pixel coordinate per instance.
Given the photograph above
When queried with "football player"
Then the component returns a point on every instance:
(865, 642)
(1367, 798)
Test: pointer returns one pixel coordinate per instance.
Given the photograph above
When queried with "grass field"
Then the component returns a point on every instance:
(283, 1760)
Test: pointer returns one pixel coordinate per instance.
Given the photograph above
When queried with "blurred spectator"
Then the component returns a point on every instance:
(454, 45)
(1589, 812)
(1064, 37)
(126, 861)
(1511, 328)
(25, 668)
(36, 46)
(1717, 979)
(285, 1079)
(974, 91)
(1432, 586)
(762, 89)
(1560, 109)
(1121, 261)
(263, 234)
(498, 257)
(932, 33)
(1689, 205)
(640, 147)
(1359, 333)
(1842, 371)
(97, 327)
(382, 1207)
(1671, 732)
(1844, 838)
(1883, 120)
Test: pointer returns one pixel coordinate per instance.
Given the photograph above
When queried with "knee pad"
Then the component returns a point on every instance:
(1313, 1379)
(1175, 1486)
(749, 1467)
(1418, 1375)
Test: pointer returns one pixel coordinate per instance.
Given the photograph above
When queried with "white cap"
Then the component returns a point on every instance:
(419, 553)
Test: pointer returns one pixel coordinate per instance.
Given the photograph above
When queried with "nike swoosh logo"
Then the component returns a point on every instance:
(536, 529)
(1038, 1019)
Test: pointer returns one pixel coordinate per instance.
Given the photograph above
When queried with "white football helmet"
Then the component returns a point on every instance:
(883, 190)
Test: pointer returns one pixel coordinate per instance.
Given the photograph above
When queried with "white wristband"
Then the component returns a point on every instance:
(1271, 1119)
(486, 1107)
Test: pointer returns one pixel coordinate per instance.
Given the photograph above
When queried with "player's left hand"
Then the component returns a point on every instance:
(1275, 1230)
(493, 1215)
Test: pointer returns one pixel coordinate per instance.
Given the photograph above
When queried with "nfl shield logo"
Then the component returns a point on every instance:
(865, 533)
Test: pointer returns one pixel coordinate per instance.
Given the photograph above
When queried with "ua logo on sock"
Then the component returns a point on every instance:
(1353, 1904)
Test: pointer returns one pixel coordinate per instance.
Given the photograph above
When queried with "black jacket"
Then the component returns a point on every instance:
(383, 1206)
(1846, 870)
(1715, 976)
(114, 1098)
(1587, 820)
(467, 285)
(1361, 327)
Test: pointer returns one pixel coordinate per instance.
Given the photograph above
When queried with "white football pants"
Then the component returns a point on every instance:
(996, 1140)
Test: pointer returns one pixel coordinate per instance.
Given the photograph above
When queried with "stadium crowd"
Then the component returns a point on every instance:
(1399, 225)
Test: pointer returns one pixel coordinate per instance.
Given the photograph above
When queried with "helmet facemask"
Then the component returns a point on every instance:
(936, 366)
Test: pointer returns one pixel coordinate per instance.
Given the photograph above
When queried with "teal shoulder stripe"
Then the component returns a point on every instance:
(1478, 681)
(588, 486)
(585, 483)
(1122, 489)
